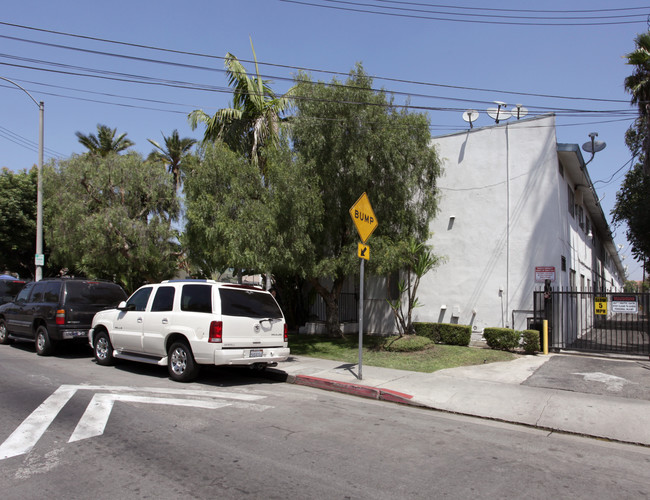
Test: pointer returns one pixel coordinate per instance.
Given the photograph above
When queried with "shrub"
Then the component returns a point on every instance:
(501, 338)
(530, 341)
(427, 330)
(445, 333)
(407, 343)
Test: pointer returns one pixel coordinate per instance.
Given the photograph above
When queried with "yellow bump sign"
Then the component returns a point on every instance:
(363, 251)
(363, 217)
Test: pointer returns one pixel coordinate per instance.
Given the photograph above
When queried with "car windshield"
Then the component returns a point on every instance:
(239, 302)
(94, 292)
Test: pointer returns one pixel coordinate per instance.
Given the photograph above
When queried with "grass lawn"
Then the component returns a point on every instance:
(431, 359)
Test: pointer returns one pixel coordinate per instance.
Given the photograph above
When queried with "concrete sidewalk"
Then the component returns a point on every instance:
(497, 391)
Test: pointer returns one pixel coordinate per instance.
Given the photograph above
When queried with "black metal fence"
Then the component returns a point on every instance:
(604, 322)
(348, 308)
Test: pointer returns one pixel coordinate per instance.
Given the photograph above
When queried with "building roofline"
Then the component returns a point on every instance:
(592, 203)
(502, 124)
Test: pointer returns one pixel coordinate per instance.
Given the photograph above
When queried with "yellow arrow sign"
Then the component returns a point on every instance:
(363, 251)
(363, 217)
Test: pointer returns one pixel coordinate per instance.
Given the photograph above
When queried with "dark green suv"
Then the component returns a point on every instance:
(56, 309)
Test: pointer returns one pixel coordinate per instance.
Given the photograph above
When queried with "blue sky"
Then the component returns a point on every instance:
(411, 47)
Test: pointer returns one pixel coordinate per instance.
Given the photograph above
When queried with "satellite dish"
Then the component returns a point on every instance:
(519, 111)
(593, 147)
(470, 116)
(499, 113)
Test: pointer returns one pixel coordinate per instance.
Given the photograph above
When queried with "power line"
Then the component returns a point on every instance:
(492, 9)
(614, 174)
(449, 19)
(132, 78)
(24, 142)
(275, 77)
(450, 12)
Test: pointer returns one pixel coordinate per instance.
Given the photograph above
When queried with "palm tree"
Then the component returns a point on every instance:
(253, 120)
(105, 141)
(173, 153)
(638, 84)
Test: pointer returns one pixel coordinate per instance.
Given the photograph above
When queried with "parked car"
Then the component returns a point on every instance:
(56, 309)
(187, 323)
(9, 288)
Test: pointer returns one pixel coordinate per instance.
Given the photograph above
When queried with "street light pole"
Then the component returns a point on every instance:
(38, 273)
(38, 259)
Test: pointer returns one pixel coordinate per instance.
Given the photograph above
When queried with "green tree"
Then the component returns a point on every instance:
(105, 141)
(253, 120)
(17, 221)
(351, 139)
(632, 208)
(235, 221)
(111, 217)
(633, 198)
(173, 153)
(417, 259)
(638, 84)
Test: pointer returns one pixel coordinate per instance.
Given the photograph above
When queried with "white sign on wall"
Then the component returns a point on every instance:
(543, 273)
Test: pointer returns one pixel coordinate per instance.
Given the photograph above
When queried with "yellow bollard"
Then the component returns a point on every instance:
(545, 338)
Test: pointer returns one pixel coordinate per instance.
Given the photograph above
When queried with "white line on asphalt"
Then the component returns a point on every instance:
(94, 420)
(23, 439)
(184, 392)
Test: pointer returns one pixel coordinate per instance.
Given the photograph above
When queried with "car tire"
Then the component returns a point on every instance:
(42, 342)
(180, 362)
(103, 349)
(4, 333)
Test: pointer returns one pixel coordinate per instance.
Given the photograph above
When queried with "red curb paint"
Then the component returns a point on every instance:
(353, 389)
(398, 397)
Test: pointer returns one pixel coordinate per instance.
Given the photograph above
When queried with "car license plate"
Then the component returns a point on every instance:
(70, 334)
(256, 353)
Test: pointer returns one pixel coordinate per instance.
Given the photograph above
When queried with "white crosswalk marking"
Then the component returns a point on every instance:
(94, 420)
(23, 439)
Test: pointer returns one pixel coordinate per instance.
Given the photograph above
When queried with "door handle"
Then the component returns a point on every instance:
(139, 320)
(165, 321)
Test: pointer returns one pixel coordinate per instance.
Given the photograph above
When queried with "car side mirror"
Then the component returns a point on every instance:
(122, 306)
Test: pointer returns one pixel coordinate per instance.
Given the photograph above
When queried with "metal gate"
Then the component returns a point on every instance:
(604, 322)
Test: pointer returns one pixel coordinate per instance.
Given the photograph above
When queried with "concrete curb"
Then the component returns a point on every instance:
(353, 389)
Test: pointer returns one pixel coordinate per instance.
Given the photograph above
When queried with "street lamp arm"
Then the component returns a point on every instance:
(30, 95)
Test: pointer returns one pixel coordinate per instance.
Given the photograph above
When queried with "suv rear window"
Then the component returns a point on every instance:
(196, 298)
(94, 292)
(237, 302)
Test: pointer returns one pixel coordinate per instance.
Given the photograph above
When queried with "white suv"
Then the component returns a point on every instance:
(187, 323)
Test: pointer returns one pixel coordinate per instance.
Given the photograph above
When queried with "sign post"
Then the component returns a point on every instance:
(366, 222)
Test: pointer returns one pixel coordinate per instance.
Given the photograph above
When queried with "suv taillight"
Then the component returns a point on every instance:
(60, 317)
(286, 333)
(216, 332)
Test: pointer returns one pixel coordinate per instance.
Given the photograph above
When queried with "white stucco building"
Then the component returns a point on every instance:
(516, 208)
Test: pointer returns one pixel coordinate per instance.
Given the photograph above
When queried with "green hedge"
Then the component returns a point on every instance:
(508, 339)
(502, 338)
(530, 341)
(445, 333)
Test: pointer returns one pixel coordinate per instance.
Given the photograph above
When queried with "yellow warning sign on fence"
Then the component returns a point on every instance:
(600, 305)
